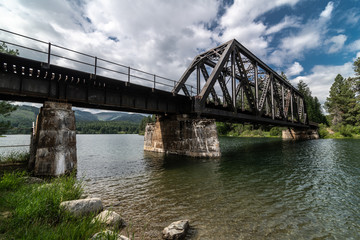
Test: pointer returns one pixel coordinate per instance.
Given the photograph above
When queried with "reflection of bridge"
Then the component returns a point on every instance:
(232, 84)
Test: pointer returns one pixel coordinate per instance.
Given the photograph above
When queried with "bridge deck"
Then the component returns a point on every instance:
(33, 81)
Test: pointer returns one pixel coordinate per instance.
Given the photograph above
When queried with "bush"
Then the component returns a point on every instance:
(346, 130)
(323, 133)
(275, 131)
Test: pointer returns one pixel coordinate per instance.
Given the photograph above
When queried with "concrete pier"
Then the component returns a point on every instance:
(183, 136)
(296, 134)
(53, 144)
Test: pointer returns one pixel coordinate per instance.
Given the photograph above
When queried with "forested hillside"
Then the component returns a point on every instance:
(22, 118)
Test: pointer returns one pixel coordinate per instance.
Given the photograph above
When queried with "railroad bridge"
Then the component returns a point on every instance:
(226, 83)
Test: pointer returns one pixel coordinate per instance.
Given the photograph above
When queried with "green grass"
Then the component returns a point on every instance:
(15, 157)
(35, 209)
(32, 211)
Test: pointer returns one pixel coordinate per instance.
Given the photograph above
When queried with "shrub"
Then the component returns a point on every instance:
(275, 131)
(323, 133)
(346, 130)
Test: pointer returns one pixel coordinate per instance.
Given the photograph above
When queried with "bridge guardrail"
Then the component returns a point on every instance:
(92, 64)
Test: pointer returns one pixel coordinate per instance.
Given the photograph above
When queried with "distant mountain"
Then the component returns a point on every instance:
(85, 116)
(22, 119)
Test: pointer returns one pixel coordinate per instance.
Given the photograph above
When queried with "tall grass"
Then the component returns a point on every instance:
(35, 209)
(15, 157)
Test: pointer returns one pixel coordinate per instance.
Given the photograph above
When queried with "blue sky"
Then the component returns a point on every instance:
(309, 40)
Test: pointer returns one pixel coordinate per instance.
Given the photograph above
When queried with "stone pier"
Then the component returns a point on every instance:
(296, 134)
(53, 144)
(183, 136)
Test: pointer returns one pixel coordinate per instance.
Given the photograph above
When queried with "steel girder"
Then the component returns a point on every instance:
(245, 83)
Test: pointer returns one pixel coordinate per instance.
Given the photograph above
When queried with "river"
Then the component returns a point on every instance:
(261, 188)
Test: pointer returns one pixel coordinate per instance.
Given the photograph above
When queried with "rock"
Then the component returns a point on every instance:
(110, 218)
(107, 234)
(176, 230)
(82, 207)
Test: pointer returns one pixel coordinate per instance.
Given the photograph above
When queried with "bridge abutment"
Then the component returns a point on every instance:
(300, 134)
(53, 143)
(183, 136)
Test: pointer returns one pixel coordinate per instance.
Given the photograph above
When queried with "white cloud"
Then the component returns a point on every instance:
(326, 13)
(322, 77)
(355, 46)
(295, 69)
(285, 23)
(337, 43)
(352, 16)
(357, 56)
(240, 22)
(311, 35)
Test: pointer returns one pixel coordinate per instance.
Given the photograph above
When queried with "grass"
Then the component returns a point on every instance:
(15, 157)
(33, 211)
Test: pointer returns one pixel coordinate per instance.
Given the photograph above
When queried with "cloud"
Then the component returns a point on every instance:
(287, 22)
(352, 16)
(240, 21)
(322, 77)
(295, 69)
(337, 43)
(355, 46)
(310, 35)
(326, 13)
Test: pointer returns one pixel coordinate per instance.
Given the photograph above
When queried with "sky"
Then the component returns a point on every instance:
(309, 40)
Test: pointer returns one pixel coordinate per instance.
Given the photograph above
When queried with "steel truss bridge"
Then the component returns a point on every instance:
(231, 84)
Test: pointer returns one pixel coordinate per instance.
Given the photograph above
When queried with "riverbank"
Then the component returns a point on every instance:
(30, 209)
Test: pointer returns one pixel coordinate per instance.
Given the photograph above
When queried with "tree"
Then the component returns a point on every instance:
(4, 49)
(341, 103)
(5, 110)
(5, 107)
(357, 66)
(313, 105)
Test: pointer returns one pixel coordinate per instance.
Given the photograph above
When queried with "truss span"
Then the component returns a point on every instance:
(232, 83)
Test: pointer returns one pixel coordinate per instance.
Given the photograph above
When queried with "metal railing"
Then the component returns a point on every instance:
(108, 68)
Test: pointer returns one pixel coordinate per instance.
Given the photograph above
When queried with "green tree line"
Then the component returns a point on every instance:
(343, 104)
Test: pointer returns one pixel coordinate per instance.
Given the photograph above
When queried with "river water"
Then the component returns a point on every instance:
(259, 189)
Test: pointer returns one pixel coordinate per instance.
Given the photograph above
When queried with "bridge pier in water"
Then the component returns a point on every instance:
(53, 143)
(300, 134)
(182, 135)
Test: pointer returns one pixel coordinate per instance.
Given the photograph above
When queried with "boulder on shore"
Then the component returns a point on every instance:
(176, 230)
(82, 207)
(110, 218)
(107, 234)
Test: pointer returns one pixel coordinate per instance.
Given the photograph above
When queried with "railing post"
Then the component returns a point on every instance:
(154, 80)
(95, 67)
(128, 75)
(49, 53)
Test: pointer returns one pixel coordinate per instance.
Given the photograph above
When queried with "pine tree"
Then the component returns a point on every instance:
(312, 104)
(341, 103)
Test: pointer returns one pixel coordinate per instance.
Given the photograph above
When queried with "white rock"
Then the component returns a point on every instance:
(110, 218)
(104, 235)
(82, 207)
(176, 230)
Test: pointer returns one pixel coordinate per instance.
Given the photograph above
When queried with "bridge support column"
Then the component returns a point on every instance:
(297, 134)
(53, 144)
(183, 136)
